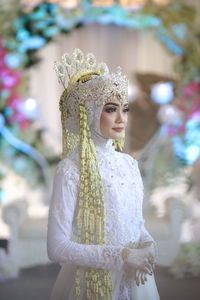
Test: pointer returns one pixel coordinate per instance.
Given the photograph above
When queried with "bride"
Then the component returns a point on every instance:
(96, 229)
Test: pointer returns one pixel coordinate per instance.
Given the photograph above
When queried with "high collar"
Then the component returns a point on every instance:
(102, 144)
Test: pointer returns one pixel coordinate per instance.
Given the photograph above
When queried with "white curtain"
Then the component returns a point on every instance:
(133, 50)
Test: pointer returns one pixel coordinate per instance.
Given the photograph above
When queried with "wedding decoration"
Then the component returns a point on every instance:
(187, 132)
(30, 25)
(162, 93)
(74, 3)
(169, 114)
(16, 116)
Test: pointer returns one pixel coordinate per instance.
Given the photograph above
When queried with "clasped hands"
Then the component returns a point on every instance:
(141, 260)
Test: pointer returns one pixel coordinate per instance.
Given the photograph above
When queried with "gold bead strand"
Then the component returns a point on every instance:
(91, 212)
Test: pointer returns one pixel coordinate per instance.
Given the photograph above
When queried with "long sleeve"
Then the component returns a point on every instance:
(145, 235)
(60, 246)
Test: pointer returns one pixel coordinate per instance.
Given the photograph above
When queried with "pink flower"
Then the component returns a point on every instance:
(19, 118)
(192, 88)
(14, 101)
(10, 79)
(172, 130)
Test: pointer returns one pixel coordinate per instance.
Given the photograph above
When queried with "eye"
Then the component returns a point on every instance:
(110, 109)
(126, 110)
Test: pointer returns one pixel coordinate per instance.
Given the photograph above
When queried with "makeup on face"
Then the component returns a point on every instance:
(114, 119)
(112, 107)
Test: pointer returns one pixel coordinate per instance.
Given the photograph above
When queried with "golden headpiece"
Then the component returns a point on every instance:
(77, 66)
(88, 83)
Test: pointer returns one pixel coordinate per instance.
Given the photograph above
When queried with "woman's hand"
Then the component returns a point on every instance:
(140, 277)
(151, 246)
(138, 259)
(143, 262)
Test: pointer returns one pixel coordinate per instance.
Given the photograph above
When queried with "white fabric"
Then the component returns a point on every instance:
(124, 224)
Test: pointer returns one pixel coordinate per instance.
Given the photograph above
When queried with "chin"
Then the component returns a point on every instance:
(117, 136)
(114, 135)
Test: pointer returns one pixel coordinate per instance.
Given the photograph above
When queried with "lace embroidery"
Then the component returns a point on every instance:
(124, 222)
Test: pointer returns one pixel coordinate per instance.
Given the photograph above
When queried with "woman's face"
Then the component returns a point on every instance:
(114, 118)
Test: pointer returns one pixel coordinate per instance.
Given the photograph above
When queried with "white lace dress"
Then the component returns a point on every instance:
(124, 224)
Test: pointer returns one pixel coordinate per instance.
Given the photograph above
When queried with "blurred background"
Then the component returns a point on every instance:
(157, 44)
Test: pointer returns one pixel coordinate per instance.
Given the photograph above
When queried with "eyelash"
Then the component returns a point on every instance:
(113, 109)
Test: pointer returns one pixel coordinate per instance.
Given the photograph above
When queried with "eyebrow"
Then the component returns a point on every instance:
(111, 103)
(115, 104)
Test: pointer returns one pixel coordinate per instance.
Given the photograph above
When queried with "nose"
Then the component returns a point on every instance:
(120, 117)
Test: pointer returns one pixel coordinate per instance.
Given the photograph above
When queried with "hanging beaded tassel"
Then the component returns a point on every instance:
(91, 215)
(119, 144)
(69, 139)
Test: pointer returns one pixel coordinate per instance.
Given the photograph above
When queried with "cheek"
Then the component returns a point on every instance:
(126, 120)
(105, 121)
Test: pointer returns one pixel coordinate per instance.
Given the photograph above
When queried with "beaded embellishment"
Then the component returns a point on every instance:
(73, 67)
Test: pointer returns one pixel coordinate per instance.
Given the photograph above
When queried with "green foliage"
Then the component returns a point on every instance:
(187, 263)
(175, 13)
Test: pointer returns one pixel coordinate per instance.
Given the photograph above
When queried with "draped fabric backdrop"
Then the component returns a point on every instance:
(133, 50)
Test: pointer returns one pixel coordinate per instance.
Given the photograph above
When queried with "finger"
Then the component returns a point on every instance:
(137, 277)
(144, 277)
(145, 244)
(147, 268)
(151, 259)
(141, 277)
(151, 256)
(141, 280)
(148, 265)
(150, 268)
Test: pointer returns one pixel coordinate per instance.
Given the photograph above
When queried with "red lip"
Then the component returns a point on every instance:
(118, 129)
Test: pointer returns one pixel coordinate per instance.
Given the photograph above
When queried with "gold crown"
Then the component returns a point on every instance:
(78, 66)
